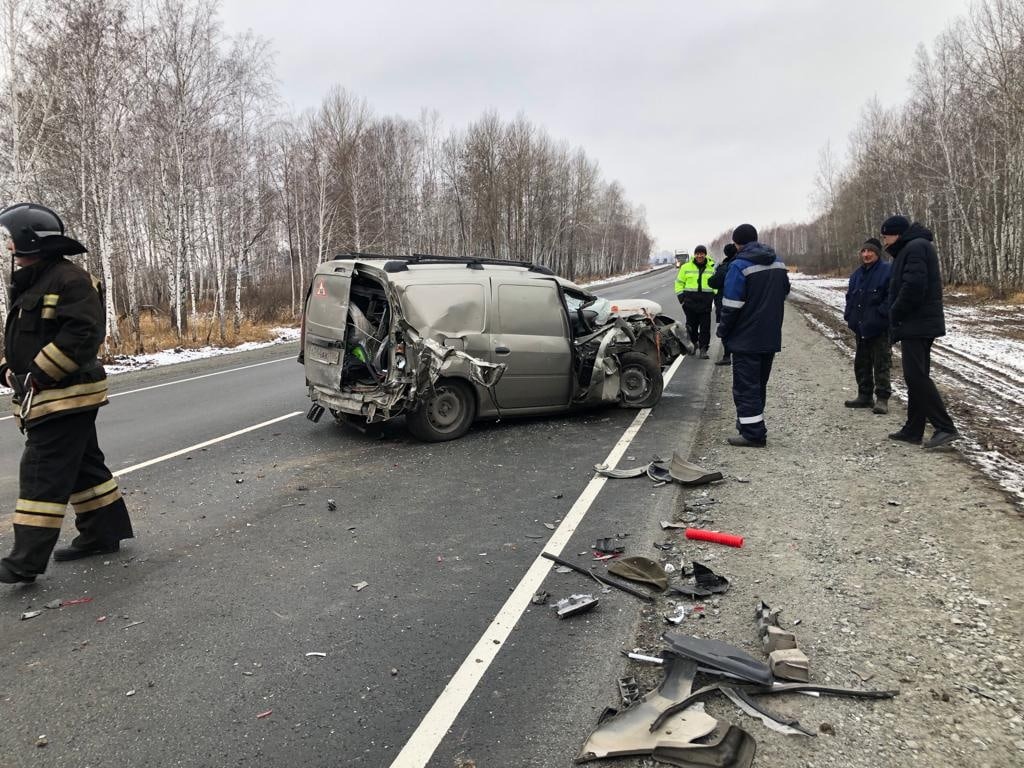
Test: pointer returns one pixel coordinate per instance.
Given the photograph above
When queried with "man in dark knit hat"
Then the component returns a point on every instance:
(756, 287)
(916, 319)
(867, 314)
(717, 281)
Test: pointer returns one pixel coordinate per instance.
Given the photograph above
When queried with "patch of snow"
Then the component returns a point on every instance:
(617, 278)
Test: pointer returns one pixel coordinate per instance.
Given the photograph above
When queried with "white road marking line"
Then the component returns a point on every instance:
(432, 729)
(204, 444)
(192, 378)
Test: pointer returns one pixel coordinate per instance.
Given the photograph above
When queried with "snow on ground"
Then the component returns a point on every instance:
(980, 361)
(619, 278)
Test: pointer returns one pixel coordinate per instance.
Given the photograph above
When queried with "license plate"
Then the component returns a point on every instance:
(324, 355)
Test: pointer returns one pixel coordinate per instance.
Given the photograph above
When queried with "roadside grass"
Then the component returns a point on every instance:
(157, 334)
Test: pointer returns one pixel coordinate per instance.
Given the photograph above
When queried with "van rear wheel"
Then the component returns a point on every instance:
(446, 413)
(640, 381)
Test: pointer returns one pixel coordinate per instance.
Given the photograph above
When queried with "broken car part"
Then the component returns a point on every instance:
(776, 639)
(627, 733)
(643, 657)
(575, 604)
(629, 691)
(620, 474)
(729, 746)
(608, 546)
(603, 579)
(706, 583)
(719, 655)
(685, 473)
(769, 690)
(790, 664)
(641, 569)
(770, 719)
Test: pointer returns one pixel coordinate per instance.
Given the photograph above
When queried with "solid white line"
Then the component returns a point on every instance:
(204, 444)
(192, 378)
(432, 729)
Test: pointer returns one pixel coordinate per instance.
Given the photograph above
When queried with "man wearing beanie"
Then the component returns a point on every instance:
(916, 319)
(867, 314)
(696, 297)
(717, 281)
(756, 286)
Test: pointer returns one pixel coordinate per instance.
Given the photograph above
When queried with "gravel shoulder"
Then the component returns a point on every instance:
(903, 566)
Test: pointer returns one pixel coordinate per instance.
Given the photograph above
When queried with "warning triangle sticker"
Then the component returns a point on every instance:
(321, 290)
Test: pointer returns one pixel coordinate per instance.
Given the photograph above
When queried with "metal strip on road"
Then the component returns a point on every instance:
(191, 378)
(420, 747)
(204, 444)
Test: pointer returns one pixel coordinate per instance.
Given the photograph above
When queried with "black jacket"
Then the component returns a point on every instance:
(756, 287)
(717, 280)
(867, 300)
(53, 331)
(915, 289)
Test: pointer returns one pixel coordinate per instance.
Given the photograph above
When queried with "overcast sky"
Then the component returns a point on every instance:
(709, 114)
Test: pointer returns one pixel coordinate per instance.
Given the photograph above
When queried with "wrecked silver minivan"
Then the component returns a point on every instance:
(447, 341)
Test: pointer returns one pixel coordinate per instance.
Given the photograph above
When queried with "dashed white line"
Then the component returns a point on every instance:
(432, 729)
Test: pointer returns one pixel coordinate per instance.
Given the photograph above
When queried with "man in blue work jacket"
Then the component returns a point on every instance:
(867, 314)
(756, 287)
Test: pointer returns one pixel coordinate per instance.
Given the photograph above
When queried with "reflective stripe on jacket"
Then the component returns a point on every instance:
(691, 277)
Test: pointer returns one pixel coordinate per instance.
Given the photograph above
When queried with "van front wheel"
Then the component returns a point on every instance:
(445, 414)
(640, 381)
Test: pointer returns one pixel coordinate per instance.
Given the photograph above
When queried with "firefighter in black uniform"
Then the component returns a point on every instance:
(53, 332)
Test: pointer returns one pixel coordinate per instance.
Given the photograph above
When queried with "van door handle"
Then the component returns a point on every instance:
(502, 351)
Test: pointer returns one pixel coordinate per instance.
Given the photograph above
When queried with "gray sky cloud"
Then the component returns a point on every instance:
(708, 116)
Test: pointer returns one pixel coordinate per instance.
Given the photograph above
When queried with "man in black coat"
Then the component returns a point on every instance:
(867, 314)
(717, 281)
(916, 319)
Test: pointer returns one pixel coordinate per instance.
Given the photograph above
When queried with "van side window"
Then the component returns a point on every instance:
(530, 310)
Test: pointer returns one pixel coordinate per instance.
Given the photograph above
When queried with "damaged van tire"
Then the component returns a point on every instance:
(446, 413)
(640, 381)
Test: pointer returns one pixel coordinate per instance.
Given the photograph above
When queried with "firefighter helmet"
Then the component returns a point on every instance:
(37, 231)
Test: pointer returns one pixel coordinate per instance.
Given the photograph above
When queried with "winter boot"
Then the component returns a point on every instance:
(703, 353)
(881, 405)
(862, 401)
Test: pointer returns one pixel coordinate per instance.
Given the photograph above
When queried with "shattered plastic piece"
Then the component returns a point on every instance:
(685, 473)
(563, 569)
(790, 664)
(629, 691)
(641, 569)
(549, 526)
(332, 505)
(598, 577)
(620, 474)
(541, 598)
(360, 586)
(707, 583)
(728, 747)
(666, 524)
(608, 546)
(30, 615)
(42, 741)
(770, 719)
(715, 537)
(76, 601)
(678, 616)
(719, 655)
(669, 568)
(658, 472)
(266, 714)
(575, 604)
(643, 657)
(321, 654)
(776, 639)
(603, 558)
(130, 693)
(133, 624)
(627, 732)
(52, 604)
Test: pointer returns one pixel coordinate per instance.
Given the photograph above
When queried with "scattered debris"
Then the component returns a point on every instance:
(636, 655)
(718, 655)
(563, 569)
(640, 569)
(541, 598)
(608, 546)
(790, 664)
(30, 615)
(706, 583)
(776, 639)
(394, 672)
(771, 720)
(715, 537)
(557, 496)
(685, 473)
(629, 691)
(360, 586)
(133, 624)
(42, 741)
(669, 568)
(549, 526)
(76, 601)
(332, 505)
(266, 714)
(100, 619)
(130, 693)
(620, 474)
(666, 524)
(321, 654)
(535, 536)
(575, 604)
(597, 577)
(678, 616)
(52, 604)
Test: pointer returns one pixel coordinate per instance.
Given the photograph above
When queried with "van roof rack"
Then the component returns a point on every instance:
(401, 263)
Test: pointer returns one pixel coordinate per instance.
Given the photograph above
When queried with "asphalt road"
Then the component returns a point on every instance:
(239, 570)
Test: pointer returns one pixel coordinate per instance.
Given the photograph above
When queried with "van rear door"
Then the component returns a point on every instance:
(326, 318)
